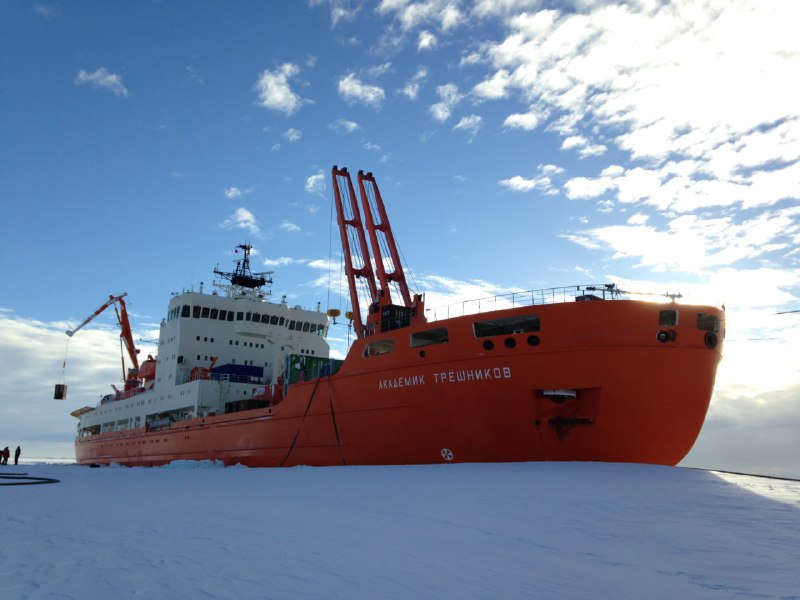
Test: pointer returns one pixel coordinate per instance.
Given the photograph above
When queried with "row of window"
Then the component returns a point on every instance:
(204, 312)
(705, 321)
(489, 327)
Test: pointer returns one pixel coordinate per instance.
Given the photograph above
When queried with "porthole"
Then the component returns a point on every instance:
(533, 340)
(488, 345)
(711, 340)
(510, 342)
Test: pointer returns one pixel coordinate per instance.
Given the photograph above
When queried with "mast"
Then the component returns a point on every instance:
(242, 278)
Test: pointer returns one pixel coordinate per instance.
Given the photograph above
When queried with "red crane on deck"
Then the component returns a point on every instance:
(126, 335)
(382, 314)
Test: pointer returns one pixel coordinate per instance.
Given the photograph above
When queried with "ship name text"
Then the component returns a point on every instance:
(452, 376)
(472, 375)
(399, 382)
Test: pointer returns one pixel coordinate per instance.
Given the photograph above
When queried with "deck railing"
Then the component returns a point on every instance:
(555, 295)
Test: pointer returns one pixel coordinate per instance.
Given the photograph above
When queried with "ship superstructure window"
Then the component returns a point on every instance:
(205, 312)
(668, 318)
(185, 310)
(230, 315)
(507, 325)
(273, 320)
(431, 336)
(708, 322)
(223, 314)
(379, 347)
(239, 316)
(214, 313)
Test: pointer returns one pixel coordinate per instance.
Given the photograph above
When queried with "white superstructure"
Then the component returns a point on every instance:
(216, 353)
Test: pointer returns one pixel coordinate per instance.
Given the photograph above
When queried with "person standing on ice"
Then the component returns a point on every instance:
(17, 452)
(6, 454)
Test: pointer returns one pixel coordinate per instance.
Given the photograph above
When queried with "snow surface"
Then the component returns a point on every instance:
(524, 530)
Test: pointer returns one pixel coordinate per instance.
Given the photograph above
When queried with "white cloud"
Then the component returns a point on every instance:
(341, 10)
(242, 219)
(470, 124)
(411, 89)
(694, 244)
(494, 88)
(543, 180)
(315, 184)
(288, 226)
(235, 192)
(102, 78)
(275, 92)
(293, 135)
(502, 8)
(583, 146)
(46, 10)
(353, 89)
(683, 82)
(427, 41)
(445, 14)
(528, 121)
(449, 98)
(518, 183)
(283, 261)
(343, 125)
(638, 219)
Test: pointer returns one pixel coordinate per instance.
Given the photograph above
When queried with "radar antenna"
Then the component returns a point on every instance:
(242, 276)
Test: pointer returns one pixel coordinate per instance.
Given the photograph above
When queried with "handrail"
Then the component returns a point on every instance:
(555, 295)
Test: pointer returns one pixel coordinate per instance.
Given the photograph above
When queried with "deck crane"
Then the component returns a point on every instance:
(131, 378)
(383, 314)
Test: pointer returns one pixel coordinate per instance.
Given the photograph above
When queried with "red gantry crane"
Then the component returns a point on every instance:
(382, 314)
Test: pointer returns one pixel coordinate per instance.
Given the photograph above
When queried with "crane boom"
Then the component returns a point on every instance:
(126, 335)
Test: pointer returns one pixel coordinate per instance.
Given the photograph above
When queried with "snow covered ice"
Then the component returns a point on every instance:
(525, 530)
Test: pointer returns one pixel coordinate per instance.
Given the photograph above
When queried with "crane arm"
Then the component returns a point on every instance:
(111, 300)
(126, 335)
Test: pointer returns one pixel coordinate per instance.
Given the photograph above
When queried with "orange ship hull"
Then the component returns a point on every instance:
(600, 381)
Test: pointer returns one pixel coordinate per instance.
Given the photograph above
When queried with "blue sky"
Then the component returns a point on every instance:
(518, 145)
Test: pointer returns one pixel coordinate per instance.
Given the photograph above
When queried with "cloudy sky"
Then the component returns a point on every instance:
(518, 144)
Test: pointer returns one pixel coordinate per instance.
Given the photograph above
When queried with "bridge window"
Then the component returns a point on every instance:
(668, 318)
(214, 313)
(708, 322)
(507, 325)
(185, 310)
(196, 311)
(379, 347)
(431, 336)
(205, 312)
